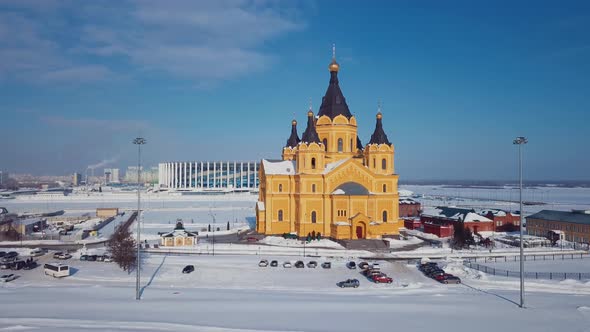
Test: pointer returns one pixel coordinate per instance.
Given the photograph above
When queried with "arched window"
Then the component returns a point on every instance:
(340, 145)
(280, 188)
(313, 217)
(384, 188)
(383, 163)
(313, 163)
(313, 188)
(325, 141)
(384, 216)
(280, 215)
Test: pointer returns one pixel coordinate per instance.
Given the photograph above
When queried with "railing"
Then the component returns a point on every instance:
(528, 274)
(528, 257)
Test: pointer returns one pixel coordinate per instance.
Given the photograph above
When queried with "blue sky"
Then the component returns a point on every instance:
(222, 81)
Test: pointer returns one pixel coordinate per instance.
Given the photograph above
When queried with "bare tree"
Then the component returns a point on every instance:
(123, 248)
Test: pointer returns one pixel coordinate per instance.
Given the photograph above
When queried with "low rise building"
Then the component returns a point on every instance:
(179, 237)
(504, 221)
(107, 212)
(442, 219)
(409, 207)
(574, 226)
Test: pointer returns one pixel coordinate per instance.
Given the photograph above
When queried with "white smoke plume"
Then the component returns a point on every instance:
(103, 163)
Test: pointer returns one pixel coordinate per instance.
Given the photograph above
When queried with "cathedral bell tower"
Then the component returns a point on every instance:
(378, 154)
(336, 126)
(310, 153)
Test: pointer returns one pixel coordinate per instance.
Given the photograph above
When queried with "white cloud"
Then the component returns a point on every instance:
(205, 42)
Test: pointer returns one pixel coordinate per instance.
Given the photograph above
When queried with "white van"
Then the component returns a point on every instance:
(57, 270)
(37, 252)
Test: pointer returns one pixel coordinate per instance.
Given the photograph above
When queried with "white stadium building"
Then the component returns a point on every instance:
(209, 175)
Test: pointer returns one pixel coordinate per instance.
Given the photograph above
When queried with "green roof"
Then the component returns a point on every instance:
(562, 216)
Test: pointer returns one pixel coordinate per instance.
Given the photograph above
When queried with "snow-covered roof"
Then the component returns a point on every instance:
(338, 192)
(331, 166)
(495, 212)
(407, 201)
(281, 167)
(465, 215)
(178, 232)
(474, 217)
(260, 206)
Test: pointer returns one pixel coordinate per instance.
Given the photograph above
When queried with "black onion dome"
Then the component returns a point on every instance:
(333, 102)
(310, 134)
(294, 138)
(379, 136)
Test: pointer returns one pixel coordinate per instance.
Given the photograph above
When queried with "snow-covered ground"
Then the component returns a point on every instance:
(281, 242)
(231, 293)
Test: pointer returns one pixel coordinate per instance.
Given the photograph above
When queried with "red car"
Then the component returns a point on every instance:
(381, 278)
(441, 277)
(252, 239)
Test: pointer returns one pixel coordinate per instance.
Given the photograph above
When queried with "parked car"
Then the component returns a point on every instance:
(434, 274)
(83, 257)
(381, 278)
(351, 265)
(37, 252)
(100, 258)
(349, 283)
(7, 259)
(30, 265)
(188, 269)
(64, 256)
(376, 266)
(290, 236)
(312, 264)
(18, 265)
(252, 239)
(5, 265)
(326, 265)
(92, 258)
(299, 264)
(7, 277)
(2, 254)
(451, 279)
(370, 272)
(11, 254)
(287, 265)
(274, 263)
(263, 263)
(363, 265)
(57, 254)
(108, 258)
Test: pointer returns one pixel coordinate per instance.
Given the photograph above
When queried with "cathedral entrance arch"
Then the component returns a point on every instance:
(360, 232)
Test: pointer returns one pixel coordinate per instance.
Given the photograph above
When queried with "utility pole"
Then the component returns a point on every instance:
(139, 141)
(520, 141)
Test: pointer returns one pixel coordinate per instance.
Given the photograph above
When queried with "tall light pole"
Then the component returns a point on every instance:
(139, 141)
(213, 216)
(520, 141)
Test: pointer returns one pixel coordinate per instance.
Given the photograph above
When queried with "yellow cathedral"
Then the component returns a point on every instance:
(327, 182)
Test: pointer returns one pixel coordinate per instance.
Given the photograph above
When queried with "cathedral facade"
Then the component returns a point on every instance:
(327, 183)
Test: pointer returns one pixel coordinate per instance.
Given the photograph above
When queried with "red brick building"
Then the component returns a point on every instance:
(441, 220)
(504, 221)
(412, 223)
(409, 208)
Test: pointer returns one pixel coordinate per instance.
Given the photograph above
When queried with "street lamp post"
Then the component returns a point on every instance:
(520, 141)
(139, 141)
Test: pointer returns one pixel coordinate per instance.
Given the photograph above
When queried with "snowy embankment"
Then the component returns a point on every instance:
(397, 244)
(253, 249)
(293, 243)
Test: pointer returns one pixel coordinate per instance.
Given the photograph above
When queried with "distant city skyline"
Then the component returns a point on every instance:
(458, 81)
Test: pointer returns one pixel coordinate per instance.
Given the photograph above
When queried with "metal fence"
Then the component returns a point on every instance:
(529, 275)
(516, 258)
